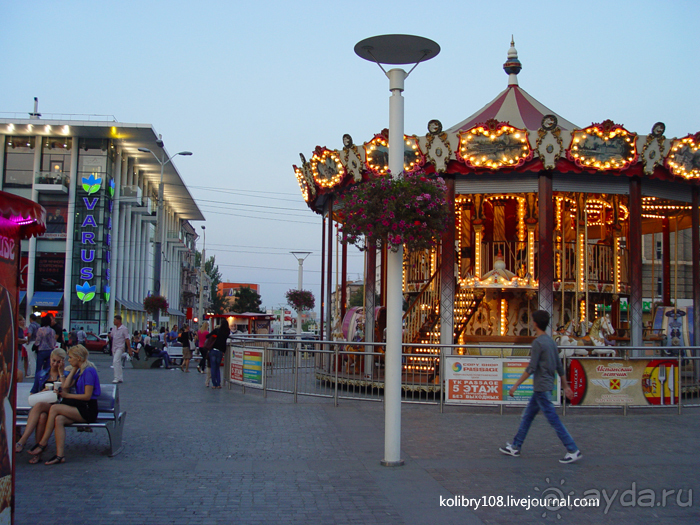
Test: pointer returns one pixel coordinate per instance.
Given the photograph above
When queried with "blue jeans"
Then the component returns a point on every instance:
(165, 356)
(214, 364)
(43, 362)
(543, 401)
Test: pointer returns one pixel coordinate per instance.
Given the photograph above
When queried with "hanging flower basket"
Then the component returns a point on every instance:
(300, 300)
(155, 303)
(409, 210)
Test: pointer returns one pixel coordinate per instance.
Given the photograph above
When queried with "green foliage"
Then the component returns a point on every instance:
(246, 300)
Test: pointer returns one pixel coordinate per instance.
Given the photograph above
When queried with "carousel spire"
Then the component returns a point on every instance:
(512, 65)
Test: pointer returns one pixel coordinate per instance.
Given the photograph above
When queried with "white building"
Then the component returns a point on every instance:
(100, 193)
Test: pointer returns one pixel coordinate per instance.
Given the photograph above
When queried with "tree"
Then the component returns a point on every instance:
(357, 297)
(218, 301)
(246, 300)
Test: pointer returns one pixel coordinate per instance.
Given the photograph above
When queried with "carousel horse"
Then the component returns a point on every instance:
(566, 336)
(597, 337)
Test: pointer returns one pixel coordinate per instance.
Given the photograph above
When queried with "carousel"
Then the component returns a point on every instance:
(545, 214)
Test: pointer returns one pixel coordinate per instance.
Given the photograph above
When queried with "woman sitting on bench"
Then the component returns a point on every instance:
(80, 406)
(39, 413)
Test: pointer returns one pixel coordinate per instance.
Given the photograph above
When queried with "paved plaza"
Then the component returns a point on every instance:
(193, 455)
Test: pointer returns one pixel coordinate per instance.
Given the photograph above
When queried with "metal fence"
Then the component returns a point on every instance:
(340, 370)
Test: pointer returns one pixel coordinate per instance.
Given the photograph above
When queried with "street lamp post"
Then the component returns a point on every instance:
(398, 50)
(158, 256)
(202, 262)
(300, 256)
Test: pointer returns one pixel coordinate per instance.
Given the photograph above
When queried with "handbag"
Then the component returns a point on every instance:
(47, 396)
(209, 342)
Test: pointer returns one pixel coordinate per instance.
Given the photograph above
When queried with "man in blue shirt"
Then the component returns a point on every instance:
(544, 363)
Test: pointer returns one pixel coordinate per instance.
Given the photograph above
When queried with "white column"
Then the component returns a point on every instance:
(31, 255)
(120, 246)
(68, 284)
(116, 231)
(394, 288)
(2, 164)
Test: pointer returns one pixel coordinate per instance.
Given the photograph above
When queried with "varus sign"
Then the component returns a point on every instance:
(88, 245)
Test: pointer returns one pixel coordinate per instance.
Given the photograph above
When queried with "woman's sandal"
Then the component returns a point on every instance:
(19, 447)
(37, 449)
(35, 459)
(56, 460)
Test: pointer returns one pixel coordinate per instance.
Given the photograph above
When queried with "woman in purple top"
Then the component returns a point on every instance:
(80, 406)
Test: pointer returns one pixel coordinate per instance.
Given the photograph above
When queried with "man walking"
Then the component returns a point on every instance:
(32, 329)
(82, 336)
(544, 362)
(119, 335)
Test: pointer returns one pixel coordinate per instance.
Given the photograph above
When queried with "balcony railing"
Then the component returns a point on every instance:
(51, 181)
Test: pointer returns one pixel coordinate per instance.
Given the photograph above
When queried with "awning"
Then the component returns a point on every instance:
(178, 313)
(22, 295)
(44, 299)
(131, 305)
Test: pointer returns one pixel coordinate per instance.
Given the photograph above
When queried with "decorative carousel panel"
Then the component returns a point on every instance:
(303, 184)
(377, 154)
(605, 146)
(326, 167)
(413, 159)
(684, 158)
(494, 145)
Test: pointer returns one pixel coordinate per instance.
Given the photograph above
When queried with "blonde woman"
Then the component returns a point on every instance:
(78, 407)
(40, 412)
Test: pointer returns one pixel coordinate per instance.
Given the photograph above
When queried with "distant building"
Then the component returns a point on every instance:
(227, 290)
(96, 258)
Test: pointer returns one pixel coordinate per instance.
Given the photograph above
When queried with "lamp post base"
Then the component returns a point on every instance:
(385, 463)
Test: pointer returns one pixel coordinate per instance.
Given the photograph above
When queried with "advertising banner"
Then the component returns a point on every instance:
(488, 380)
(616, 383)
(246, 366)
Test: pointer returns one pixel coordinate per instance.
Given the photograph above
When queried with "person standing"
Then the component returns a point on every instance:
(544, 362)
(32, 330)
(201, 338)
(185, 339)
(119, 335)
(217, 351)
(82, 336)
(45, 343)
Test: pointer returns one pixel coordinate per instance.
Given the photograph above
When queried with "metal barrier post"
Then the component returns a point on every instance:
(442, 378)
(335, 365)
(563, 411)
(678, 383)
(297, 355)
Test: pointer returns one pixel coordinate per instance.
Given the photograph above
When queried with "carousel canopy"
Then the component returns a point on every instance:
(513, 105)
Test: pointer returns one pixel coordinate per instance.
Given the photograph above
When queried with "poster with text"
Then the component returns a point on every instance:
(246, 366)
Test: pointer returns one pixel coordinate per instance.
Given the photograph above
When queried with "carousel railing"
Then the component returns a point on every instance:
(600, 263)
(344, 370)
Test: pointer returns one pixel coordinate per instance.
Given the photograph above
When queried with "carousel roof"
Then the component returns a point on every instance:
(513, 105)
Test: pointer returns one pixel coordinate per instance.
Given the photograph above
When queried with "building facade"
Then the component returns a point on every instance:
(96, 258)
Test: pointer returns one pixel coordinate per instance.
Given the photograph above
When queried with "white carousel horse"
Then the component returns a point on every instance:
(599, 330)
(567, 337)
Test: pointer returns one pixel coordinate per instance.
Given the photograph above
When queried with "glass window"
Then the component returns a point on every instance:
(659, 250)
(659, 286)
(19, 161)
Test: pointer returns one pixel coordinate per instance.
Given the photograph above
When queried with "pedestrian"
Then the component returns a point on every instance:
(82, 336)
(544, 362)
(22, 344)
(201, 338)
(185, 339)
(221, 334)
(32, 329)
(119, 336)
(45, 343)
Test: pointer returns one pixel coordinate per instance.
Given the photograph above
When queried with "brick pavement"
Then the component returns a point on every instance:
(194, 455)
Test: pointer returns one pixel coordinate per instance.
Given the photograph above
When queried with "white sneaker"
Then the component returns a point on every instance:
(571, 457)
(510, 450)
(117, 381)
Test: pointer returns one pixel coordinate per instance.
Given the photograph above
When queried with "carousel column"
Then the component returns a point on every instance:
(635, 255)
(546, 246)
(370, 295)
(322, 331)
(344, 277)
(448, 277)
(665, 261)
(695, 250)
(329, 270)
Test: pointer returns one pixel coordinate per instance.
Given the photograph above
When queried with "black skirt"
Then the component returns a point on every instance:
(87, 409)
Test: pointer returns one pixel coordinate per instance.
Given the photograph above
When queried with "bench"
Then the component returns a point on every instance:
(109, 415)
(175, 353)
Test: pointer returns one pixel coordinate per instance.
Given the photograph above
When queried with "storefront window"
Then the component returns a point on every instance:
(19, 161)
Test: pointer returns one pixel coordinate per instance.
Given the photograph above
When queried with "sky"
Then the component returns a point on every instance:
(247, 86)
